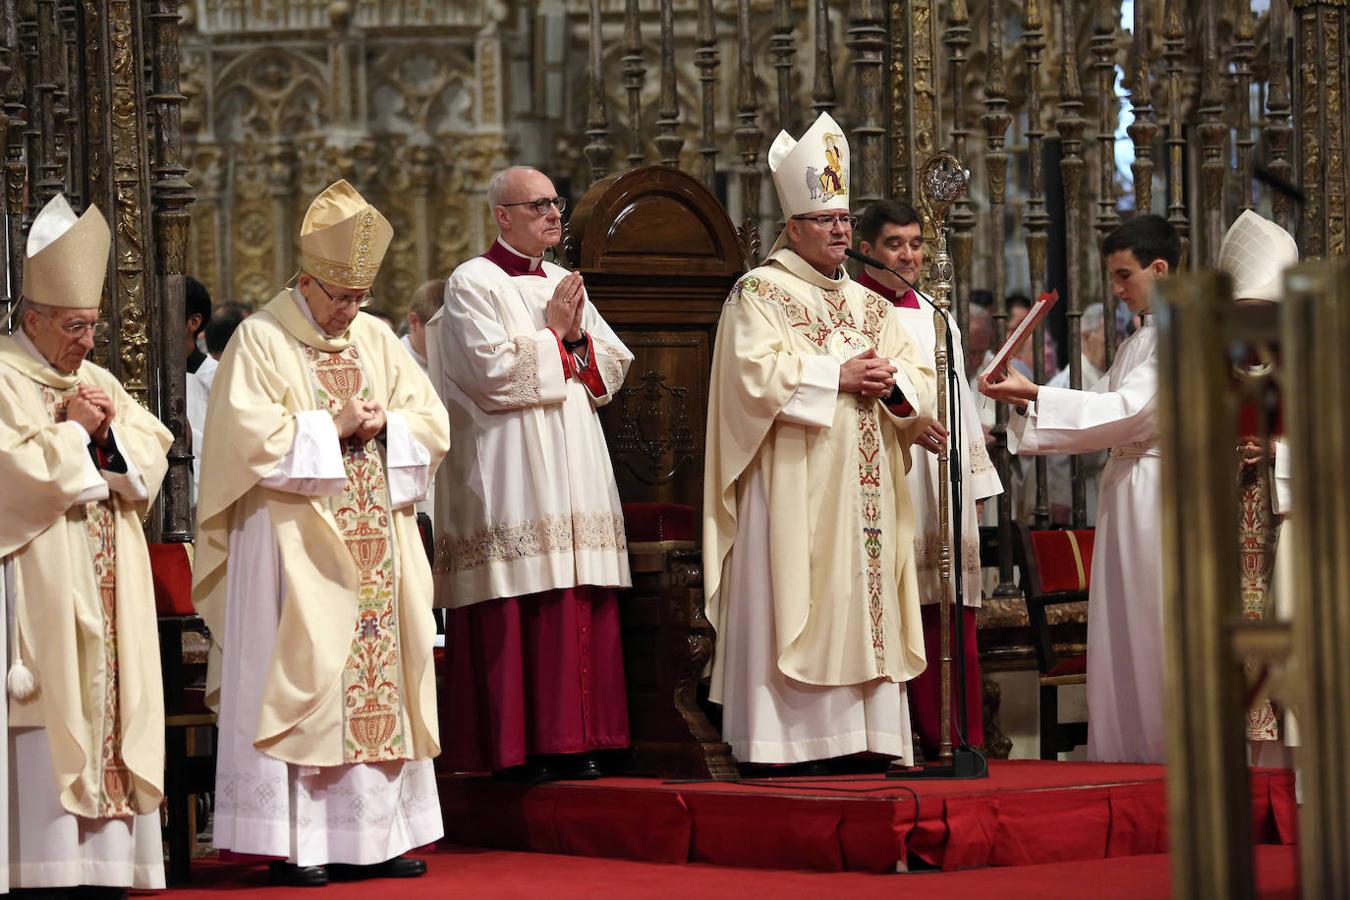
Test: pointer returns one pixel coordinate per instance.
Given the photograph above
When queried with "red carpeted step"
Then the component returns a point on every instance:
(1026, 813)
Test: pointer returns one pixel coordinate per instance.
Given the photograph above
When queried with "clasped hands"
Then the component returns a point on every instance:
(93, 410)
(564, 311)
(867, 374)
(362, 419)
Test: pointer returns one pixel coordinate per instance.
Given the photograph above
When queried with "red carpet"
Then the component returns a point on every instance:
(1027, 813)
(463, 872)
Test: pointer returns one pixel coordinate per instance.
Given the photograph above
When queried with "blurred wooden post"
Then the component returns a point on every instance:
(1207, 783)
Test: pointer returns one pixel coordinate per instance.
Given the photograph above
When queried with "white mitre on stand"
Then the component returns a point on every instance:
(811, 174)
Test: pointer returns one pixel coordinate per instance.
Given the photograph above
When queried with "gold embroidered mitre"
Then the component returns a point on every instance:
(65, 261)
(811, 174)
(343, 238)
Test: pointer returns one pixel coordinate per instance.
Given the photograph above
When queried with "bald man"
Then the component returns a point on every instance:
(530, 548)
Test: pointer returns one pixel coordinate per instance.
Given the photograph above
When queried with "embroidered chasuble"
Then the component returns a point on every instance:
(86, 750)
(351, 679)
(808, 523)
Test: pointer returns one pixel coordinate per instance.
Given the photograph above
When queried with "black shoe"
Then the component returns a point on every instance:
(530, 773)
(582, 768)
(398, 867)
(286, 874)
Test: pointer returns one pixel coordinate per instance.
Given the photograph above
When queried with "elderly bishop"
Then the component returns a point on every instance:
(81, 462)
(817, 393)
(321, 434)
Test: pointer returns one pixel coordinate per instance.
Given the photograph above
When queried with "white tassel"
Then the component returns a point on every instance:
(20, 681)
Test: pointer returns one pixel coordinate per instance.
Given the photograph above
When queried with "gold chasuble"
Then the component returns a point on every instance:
(840, 522)
(86, 614)
(351, 678)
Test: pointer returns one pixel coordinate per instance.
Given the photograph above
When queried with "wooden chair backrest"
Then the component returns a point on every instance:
(659, 256)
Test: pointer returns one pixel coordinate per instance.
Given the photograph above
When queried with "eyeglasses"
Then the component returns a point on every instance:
(77, 329)
(828, 222)
(361, 300)
(541, 205)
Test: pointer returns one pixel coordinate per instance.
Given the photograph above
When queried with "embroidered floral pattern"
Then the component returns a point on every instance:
(371, 680)
(522, 381)
(101, 532)
(978, 454)
(840, 330)
(524, 540)
(1258, 557)
(611, 370)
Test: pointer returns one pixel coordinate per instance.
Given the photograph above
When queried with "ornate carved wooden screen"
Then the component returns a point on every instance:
(659, 255)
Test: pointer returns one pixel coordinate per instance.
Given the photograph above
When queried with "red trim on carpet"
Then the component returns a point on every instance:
(1026, 813)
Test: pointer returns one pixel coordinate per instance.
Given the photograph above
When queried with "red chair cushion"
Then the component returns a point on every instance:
(171, 570)
(659, 522)
(1070, 665)
(1061, 568)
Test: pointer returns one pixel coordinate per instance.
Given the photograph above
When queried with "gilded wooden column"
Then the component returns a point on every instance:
(995, 121)
(634, 74)
(1316, 332)
(748, 136)
(1277, 133)
(822, 87)
(956, 37)
(1070, 124)
(1213, 136)
(1320, 40)
(1035, 221)
(598, 151)
(867, 42)
(135, 326)
(707, 58)
(1104, 49)
(914, 106)
(669, 141)
(1209, 797)
(171, 195)
(1174, 52)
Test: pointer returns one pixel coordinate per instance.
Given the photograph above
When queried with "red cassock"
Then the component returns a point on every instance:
(925, 692)
(540, 674)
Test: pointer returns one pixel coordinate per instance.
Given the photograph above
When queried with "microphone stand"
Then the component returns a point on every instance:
(961, 761)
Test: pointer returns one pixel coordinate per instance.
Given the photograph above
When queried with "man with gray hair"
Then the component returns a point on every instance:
(530, 549)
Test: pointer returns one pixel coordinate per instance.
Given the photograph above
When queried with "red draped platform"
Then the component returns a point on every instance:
(1028, 812)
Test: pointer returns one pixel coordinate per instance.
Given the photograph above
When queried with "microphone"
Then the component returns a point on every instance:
(1273, 181)
(878, 264)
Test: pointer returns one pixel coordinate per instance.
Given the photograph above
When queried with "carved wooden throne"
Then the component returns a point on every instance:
(659, 256)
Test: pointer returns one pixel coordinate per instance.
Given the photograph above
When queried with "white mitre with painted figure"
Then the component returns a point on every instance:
(811, 174)
(343, 238)
(66, 258)
(1255, 252)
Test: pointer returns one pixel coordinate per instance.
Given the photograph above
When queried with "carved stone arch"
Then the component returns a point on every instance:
(415, 84)
(265, 85)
